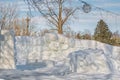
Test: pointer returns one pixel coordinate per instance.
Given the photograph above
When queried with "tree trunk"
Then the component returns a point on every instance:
(60, 30)
(60, 26)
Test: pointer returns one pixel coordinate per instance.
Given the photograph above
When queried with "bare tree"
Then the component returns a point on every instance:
(8, 13)
(57, 12)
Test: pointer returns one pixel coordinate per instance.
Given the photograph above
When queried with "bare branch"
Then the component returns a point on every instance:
(8, 14)
(54, 11)
(68, 15)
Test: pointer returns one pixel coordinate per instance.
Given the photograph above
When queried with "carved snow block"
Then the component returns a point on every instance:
(7, 50)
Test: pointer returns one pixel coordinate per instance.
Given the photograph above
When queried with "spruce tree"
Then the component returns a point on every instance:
(102, 32)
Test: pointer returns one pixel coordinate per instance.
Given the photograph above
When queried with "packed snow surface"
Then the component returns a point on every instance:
(46, 74)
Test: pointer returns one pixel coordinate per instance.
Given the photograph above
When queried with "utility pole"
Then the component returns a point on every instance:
(27, 26)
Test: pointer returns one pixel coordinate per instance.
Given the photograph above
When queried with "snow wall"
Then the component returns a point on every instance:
(7, 50)
(89, 55)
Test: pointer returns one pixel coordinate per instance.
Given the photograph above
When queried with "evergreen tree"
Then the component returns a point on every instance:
(102, 32)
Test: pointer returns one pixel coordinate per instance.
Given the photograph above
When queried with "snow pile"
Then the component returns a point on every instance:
(83, 56)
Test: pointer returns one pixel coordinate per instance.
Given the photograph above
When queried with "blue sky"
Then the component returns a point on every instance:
(85, 21)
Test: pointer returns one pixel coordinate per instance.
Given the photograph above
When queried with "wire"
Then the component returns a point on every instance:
(100, 8)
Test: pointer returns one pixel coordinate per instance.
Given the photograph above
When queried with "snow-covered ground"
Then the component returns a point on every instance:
(55, 57)
(45, 74)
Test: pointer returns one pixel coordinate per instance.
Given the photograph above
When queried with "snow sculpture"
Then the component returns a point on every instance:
(7, 50)
(89, 61)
